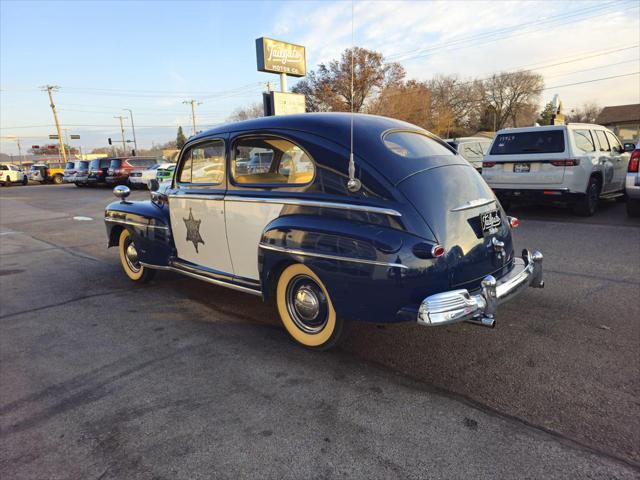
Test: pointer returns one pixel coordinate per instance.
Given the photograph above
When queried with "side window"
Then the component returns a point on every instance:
(602, 140)
(472, 151)
(267, 160)
(584, 141)
(4, 167)
(203, 164)
(614, 142)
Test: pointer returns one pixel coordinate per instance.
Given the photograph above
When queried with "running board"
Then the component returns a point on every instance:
(202, 275)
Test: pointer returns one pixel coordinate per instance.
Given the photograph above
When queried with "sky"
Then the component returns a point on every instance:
(107, 56)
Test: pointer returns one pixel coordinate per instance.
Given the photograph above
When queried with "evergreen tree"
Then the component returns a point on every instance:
(545, 115)
(180, 139)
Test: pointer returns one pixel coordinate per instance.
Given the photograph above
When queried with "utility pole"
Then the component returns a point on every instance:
(133, 127)
(124, 144)
(17, 139)
(193, 112)
(50, 89)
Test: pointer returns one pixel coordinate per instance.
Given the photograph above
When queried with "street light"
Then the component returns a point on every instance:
(135, 142)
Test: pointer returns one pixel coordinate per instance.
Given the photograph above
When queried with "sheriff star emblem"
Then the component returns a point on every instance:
(193, 230)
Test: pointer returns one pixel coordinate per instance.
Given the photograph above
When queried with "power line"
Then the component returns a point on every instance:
(502, 33)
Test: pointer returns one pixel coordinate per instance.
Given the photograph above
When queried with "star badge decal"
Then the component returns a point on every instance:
(193, 230)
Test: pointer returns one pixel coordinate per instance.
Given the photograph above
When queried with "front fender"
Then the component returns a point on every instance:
(370, 271)
(149, 226)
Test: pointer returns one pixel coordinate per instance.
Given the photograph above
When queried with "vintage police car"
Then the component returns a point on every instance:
(411, 233)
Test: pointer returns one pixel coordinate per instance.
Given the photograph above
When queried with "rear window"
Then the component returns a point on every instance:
(69, 165)
(542, 141)
(82, 165)
(414, 145)
(135, 162)
(115, 163)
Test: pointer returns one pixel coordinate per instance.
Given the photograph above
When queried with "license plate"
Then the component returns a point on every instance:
(521, 167)
(490, 220)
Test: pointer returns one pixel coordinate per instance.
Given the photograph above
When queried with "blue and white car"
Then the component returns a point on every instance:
(407, 231)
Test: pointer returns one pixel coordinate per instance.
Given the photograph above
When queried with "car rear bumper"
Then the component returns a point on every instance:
(481, 307)
(69, 179)
(137, 180)
(538, 195)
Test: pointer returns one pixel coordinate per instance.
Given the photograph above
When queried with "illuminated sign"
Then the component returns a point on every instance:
(275, 56)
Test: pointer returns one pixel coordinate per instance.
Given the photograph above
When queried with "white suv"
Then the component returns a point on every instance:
(575, 164)
(12, 174)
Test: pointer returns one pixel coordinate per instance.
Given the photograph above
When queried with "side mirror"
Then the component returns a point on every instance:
(153, 184)
(629, 147)
(121, 192)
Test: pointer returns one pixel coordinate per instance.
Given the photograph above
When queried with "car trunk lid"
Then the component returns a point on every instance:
(453, 199)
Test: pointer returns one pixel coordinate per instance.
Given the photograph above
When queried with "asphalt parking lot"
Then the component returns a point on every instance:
(178, 379)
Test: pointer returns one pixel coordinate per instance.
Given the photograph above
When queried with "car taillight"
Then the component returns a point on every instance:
(514, 222)
(565, 163)
(634, 161)
(488, 164)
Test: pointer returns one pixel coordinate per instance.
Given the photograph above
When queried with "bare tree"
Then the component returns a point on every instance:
(254, 110)
(513, 97)
(410, 101)
(588, 113)
(329, 88)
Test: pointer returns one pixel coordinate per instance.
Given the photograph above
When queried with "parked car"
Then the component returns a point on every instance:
(47, 173)
(82, 173)
(576, 164)
(632, 184)
(97, 174)
(10, 174)
(141, 178)
(166, 174)
(473, 149)
(121, 169)
(417, 235)
(72, 169)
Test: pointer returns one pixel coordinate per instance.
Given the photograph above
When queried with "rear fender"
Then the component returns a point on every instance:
(370, 271)
(149, 226)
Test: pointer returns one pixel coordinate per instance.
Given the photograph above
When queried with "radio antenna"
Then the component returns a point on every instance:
(353, 185)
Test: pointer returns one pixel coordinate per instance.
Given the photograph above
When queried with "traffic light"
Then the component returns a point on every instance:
(110, 142)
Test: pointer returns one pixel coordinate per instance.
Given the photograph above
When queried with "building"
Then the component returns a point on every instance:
(624, 120)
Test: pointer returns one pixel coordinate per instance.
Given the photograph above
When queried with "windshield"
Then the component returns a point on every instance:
(414, 145)
(541, 141)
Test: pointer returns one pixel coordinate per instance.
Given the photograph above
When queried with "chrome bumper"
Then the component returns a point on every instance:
(461, 306)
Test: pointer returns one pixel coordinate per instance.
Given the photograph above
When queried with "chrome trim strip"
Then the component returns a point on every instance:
(478, 202)
(155, 267)
(331, 257)
(315, 203)
(214, 281)
(135, 224)
(195, 196)
(203, 277)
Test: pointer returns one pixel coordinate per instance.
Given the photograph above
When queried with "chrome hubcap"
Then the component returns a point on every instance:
(307, 304)
(131, 256)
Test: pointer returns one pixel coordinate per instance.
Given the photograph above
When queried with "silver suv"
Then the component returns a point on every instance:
(576, 164)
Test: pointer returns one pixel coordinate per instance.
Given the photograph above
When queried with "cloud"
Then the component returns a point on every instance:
(476, 38)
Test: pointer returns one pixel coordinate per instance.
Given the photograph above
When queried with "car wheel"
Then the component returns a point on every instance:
(306, 310)
(129, 259)
(7, 182)
(588, 203)
(25, 180)
(57, 179)
(633, 208)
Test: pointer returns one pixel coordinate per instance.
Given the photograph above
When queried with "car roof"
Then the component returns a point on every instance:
(336, 127)
(333, 125)
(550, 127)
